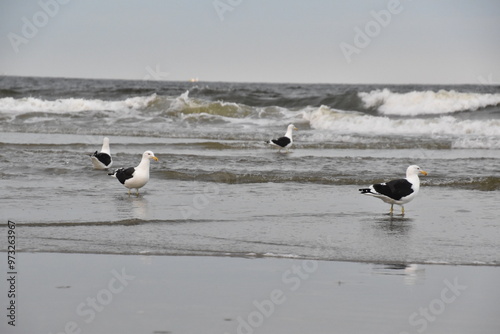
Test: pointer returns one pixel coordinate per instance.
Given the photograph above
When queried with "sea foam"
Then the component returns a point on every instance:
(340, 122)
(426, 102)
(31, 104)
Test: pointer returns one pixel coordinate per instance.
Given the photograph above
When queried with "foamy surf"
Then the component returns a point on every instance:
(340, 122)
(354, 115)
(32, 104)
(426, 102)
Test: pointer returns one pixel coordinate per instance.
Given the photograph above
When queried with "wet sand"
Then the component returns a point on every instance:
(83, 293)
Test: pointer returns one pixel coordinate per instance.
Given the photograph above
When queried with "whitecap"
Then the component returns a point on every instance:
(32, 104)
(426, 102)
(339, 122)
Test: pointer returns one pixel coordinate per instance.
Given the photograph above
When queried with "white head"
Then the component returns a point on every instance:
(149, 155)
(414, 170)
(105, 146)
(289, 130)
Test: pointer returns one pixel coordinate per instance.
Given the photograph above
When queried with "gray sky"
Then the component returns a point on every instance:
(327, 41)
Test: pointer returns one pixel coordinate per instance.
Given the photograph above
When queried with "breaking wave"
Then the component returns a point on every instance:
(342, 122)
(426, 102)
(31, 104)
(396, 115)
(383, 101)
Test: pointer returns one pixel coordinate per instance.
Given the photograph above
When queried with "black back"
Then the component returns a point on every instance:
(123, 174)
(395, 189)
(103, 157)
(283, 141)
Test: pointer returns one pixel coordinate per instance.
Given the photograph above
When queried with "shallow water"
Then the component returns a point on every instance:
(218, 190)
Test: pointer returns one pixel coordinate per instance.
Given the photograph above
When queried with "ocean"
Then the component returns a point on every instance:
(219, 190)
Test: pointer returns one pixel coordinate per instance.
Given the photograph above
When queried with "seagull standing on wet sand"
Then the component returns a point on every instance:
(399, 191)
(135, 177)
(283, 142)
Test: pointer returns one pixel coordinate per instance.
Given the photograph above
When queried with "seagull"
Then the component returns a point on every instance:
(135, 177)
(400, 191)
(285, 141)
(102, 160)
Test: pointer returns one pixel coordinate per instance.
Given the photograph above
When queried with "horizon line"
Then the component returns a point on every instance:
(252, 82)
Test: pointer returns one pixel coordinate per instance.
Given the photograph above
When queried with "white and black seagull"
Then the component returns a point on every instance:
(135, 177)
(399, 191)
(283, 142)
(102, 160)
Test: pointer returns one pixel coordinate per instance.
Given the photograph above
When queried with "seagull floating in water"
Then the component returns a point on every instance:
(399, 191)
(283, 142)
(102, 160)
(135, 177)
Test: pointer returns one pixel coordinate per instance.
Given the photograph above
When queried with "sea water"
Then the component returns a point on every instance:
(218, 189)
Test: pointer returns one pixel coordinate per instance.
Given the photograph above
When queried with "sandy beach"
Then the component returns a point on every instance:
(82, 293)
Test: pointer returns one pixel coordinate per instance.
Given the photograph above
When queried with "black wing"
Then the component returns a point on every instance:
(395, 189)
(283, 141)
(123, 174)
(103, 157)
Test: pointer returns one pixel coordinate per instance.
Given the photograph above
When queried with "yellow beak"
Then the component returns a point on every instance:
(156, 159)
(295, 128)
(423, 172)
